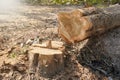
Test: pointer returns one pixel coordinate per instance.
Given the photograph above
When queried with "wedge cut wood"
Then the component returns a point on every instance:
(74, 27)
(50, 44)
(47, 58)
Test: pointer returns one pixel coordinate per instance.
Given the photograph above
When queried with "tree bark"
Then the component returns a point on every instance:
(86, 11)
(73, 28)
(46, 60)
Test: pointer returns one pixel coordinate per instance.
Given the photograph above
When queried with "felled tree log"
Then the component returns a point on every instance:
(46, 59)
(73, 28)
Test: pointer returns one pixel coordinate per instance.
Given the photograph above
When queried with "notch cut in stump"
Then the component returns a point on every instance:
(45, 59)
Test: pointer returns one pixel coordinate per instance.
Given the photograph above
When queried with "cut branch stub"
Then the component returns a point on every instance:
(73, 28)
(50, 60)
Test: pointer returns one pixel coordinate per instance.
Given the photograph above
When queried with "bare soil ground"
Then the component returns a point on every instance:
(86, 60)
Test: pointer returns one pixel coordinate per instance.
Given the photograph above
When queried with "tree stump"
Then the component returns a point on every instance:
(47, 58)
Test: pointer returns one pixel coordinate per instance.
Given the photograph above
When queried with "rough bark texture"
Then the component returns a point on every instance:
(45, 60)
(87, 11)
(103, 52)
(73, 27)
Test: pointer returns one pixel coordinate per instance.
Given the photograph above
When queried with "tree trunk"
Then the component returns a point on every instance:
(73, 27)
(46, 61)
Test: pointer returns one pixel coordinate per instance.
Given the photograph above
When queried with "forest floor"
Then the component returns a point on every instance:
(25, 23)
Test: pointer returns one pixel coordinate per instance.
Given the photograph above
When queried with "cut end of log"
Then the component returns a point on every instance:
(72, 28)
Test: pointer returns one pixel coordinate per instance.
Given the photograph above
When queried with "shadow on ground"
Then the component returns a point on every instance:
(101, 53)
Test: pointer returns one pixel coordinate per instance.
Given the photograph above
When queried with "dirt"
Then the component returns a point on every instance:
(86, 60)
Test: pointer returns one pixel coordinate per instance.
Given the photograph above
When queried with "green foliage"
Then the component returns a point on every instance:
(89, 2)
(65, 1)
(61, 2)
(18, 51)
(12, 55)
(115, 1)
(92, 2)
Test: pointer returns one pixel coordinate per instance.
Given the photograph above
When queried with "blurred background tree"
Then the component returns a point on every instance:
(69, 2)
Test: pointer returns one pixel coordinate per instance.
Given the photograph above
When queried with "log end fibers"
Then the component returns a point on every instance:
(72, 28)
